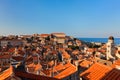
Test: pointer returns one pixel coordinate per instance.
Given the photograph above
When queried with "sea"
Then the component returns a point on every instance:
(101, 40)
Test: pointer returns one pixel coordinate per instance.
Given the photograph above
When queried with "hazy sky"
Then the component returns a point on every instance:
(80, 18)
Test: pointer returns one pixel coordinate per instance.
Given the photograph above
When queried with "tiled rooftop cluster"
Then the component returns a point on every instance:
(54, 56)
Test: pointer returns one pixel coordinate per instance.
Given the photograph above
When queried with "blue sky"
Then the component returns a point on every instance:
(79, 18)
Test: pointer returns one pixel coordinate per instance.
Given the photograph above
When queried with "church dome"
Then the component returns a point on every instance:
(111, 38)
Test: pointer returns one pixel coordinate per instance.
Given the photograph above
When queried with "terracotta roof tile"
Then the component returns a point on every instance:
(29, 59)
(34, 67)
(7, 56)
(11, 50)
(91, 50)
(37, 67)
(114, 74)
(102, 50)
(75, 52)
(70, 69)
(51, 63)
(44, 35)
(46, 72)
(66, 55)
(6, 73)
(96, 72)
(30, 65)
(68, 65)
(59, 34)
(35, 58)
(17, 58)
(117, 63)
(33, 76)
(59, 67)
(62, 70)
(85, 63)
(13, 78)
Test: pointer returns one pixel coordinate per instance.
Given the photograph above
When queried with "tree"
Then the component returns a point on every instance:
(47, 38)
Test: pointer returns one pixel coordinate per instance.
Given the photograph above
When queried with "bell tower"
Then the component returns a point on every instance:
(110, 48)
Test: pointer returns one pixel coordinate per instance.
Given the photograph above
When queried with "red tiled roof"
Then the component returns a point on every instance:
(13, 78)
(33, 76)
(15, 40)
(59, 34)
(85, 63)
(21, 52)
(63, 70)
(44, 35)
(37, 67)
(35, 58)
(29, 59)
(117, 63)
(114, 74)
(91, 49)
(54, 52)
(7, 56)
(11, 50)
(48, 46)
(34, 67)
(102, 50)
(59, 67)
(20, 48)
(51, 63)
(17, 58)
(65, 55)
(75, 52)
(69, 69)
(6, 73)
(46, 72)
(68, 65)
(96, 72)
(30, 65)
